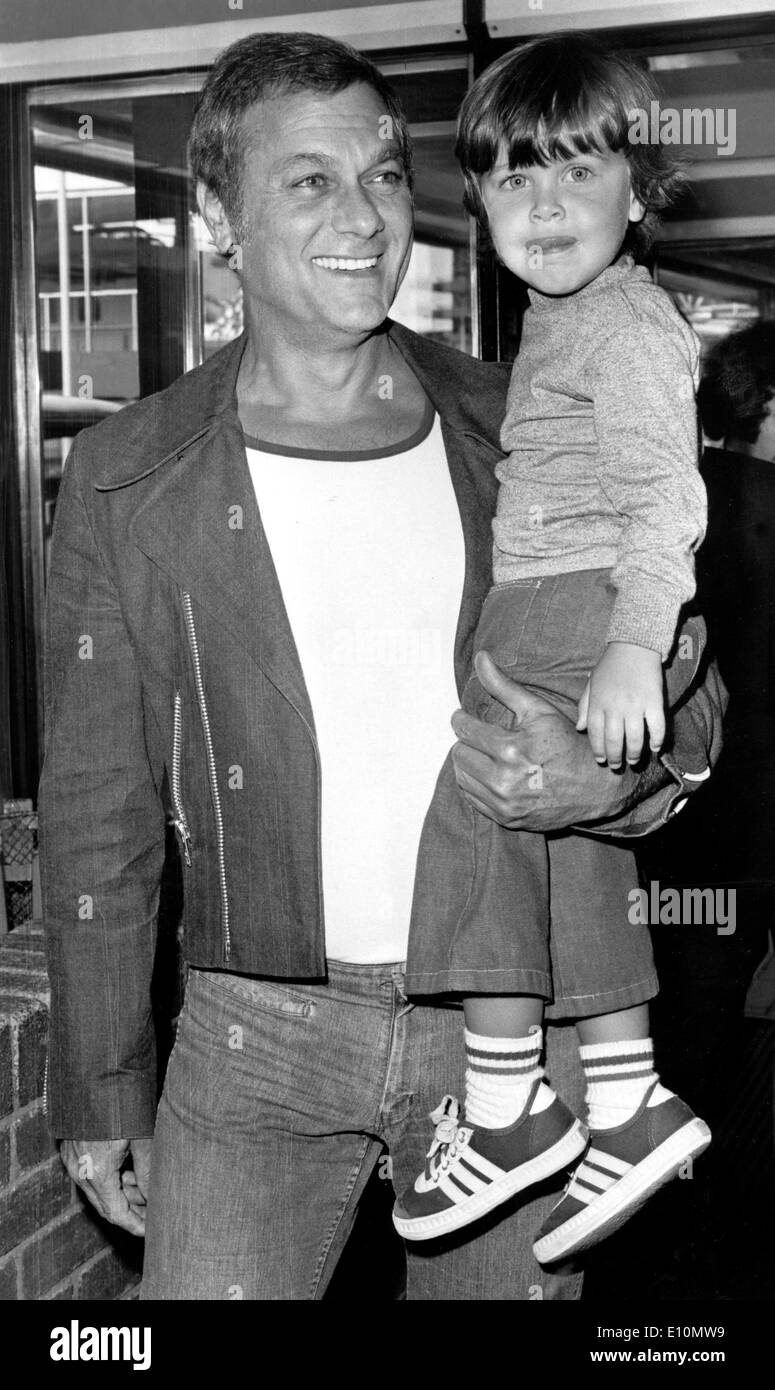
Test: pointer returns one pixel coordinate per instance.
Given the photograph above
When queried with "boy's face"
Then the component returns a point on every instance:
(558, 227)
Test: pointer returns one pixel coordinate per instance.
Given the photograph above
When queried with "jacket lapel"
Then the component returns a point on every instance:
(202, 526)
(199, 521)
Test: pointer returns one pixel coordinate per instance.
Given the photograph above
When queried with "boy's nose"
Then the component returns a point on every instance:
(546, 208)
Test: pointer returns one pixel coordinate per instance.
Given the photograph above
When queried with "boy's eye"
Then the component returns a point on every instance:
(578, 174)
(516, 181)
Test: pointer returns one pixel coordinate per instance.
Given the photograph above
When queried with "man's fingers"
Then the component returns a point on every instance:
(488, 766)
(510, 694)
(108, 1198)
(141, 1162)
(95, 1170)
(131, 1189)
(475, 734)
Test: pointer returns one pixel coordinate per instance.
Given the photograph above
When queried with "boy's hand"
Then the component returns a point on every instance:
(624, 691)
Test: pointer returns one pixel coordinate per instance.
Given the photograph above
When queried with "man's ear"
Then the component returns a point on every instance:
(214, 217)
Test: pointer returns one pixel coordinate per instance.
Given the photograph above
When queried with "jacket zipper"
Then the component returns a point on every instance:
(211, 769)
(180, 823)
(45, 1086)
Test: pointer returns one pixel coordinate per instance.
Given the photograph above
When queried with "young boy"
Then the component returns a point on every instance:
(600, 509)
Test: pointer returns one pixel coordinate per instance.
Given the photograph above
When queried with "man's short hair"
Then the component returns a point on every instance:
(262, 66)
(557, 97)
(738, 383)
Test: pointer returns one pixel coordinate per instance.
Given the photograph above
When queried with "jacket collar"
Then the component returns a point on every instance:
(198, 520)
(161, 428)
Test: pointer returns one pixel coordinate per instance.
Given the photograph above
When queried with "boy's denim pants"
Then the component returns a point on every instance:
(508, 912)
(280, 1100)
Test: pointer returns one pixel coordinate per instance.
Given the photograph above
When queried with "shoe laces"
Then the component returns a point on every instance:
(444, 1147)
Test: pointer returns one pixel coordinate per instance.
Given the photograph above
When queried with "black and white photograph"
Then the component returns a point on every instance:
(387, 488)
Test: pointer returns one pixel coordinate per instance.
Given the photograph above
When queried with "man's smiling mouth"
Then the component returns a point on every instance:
(345, 262)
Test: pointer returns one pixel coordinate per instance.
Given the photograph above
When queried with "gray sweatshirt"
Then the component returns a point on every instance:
(602, 437)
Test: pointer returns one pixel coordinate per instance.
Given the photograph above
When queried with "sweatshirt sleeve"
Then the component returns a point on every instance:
(642, 383)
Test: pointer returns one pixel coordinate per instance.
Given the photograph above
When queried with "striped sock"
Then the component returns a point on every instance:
(618, 1075)
(499, 1075)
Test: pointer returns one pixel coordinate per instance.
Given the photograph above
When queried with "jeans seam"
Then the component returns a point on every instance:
(303, 1008)
(177, 1022)
(473, 814)
(609, 993)
(519, 660)
(337, 1221)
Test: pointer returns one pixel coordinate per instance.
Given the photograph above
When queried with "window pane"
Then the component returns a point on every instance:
(131, 291)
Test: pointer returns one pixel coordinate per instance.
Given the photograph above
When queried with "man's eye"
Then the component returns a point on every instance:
(310, 181)
(391, 177)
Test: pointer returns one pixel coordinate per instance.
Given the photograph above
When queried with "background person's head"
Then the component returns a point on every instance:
(302, 157)
(556, 100)
(736, 397)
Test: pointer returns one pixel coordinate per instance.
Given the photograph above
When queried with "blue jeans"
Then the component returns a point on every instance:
(509, 912)
(280, 1100)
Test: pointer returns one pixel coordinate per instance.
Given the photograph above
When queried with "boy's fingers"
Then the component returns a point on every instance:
(581, 722)
(614, 740)
(596, 733)
(633, 729)
(657, 727)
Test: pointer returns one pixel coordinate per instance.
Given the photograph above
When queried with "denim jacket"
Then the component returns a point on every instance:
(174, 693)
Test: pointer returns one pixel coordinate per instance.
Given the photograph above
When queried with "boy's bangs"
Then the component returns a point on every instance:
(558, 125)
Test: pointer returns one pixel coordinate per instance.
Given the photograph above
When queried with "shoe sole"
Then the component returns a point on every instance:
(610, 1211)
(560, 1155)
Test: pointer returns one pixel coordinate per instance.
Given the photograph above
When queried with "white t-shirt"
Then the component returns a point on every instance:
(369, 552)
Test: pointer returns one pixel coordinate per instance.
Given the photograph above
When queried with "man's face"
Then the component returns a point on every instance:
(326, 214)
(558, 227)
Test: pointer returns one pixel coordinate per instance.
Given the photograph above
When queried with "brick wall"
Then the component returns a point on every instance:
(52, 1246)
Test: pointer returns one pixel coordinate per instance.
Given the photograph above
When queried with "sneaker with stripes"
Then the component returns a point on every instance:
(621, 1169)
(470, 1169)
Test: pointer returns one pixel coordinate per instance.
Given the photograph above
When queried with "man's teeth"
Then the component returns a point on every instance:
(344, 263)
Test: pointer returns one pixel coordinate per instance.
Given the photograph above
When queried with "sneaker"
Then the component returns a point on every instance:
(620, 1170)
(470, 1170)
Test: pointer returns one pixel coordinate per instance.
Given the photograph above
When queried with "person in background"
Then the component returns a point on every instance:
(725, 839)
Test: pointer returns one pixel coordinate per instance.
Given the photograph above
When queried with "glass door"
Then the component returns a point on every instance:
(130, 290)
(112, 252)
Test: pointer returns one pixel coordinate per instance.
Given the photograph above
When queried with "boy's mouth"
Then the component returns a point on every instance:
(551, 244)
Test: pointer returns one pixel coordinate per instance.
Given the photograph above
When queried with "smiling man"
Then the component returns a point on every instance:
(280, 561)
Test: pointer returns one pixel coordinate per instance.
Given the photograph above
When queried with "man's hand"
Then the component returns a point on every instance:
(542, 776)
(624, 693)
(94, 1166)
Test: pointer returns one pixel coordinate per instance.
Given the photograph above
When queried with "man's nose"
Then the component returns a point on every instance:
(357, 211)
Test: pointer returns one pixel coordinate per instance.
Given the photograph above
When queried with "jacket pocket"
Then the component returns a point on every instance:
(180, 822)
